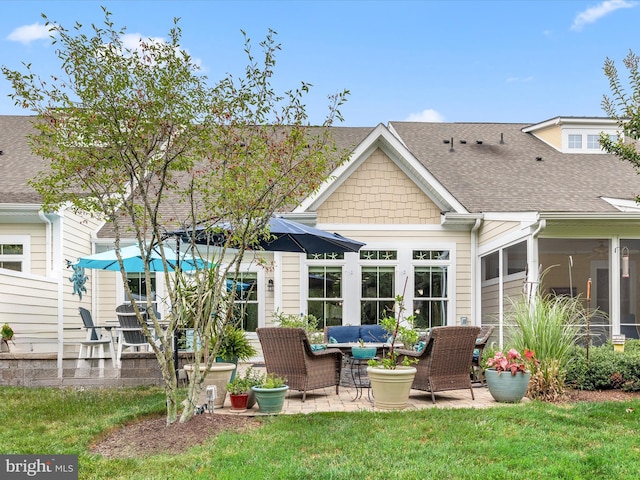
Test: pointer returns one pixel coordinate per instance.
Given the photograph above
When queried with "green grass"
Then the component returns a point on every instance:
(531, 441)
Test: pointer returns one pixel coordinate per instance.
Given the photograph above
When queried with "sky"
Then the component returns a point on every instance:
(435, 61)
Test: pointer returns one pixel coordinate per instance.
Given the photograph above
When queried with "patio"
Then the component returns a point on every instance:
(326, 400)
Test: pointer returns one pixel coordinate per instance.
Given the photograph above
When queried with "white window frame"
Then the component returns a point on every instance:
(25, 258)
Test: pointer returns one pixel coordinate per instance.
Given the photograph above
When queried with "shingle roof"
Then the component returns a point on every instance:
(17, 162)
(507, 177)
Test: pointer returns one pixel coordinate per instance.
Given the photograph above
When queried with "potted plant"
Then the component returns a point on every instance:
(363, 351)
(7, 336)
(270, 395)
(238, 389)
(507, 376)
(390, 381)
(234, 346)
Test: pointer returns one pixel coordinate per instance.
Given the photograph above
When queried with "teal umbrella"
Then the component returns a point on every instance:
(133, 261)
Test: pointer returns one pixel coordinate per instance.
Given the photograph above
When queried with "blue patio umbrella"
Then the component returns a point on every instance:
(133, 261)
(285, 236)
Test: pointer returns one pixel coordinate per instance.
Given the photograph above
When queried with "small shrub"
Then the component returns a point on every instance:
(606, 368)
(308, 322)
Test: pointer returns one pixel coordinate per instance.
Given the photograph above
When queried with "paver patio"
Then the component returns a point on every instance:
(326, 400)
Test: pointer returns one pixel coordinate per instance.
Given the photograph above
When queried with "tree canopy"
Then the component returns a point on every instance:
(139, 137)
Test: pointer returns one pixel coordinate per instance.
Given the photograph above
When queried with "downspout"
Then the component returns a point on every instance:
(533, 279)
(475, 291)
(51, 272)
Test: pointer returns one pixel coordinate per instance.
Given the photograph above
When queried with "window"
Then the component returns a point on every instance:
(377, 294)
(325, 294)
(593, 141)
(11, 256)
(575, 141)
(430, 296)
(514, 259)
(491, 266)
(138, 286)
(246, 301)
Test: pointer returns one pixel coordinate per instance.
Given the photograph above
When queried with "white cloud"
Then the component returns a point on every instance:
(132, 41)
(428, 115)
(593, 14)
(29, 33)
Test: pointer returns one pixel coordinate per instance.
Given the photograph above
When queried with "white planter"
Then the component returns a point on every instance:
(219, 375)
(391, 387)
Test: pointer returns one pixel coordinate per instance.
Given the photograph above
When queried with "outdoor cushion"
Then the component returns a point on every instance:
(345, 333)
(373, 333)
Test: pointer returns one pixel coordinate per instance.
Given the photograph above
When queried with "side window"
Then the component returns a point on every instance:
(12, 256)
(246, 300)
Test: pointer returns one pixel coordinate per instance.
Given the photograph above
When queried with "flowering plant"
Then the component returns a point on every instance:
(512, 361)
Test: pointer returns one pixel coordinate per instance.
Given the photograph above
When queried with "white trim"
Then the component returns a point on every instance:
(624, 205)
(25, 258)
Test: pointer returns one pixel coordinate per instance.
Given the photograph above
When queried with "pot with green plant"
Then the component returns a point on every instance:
(7, 336)
(271, 393)
(234, 346)
(238, 390)
(390, 379)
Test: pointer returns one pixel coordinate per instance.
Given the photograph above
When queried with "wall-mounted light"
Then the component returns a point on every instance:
(270, 285)
(625, 262)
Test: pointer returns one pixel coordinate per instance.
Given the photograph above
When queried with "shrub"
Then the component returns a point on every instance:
(308, 322)
(606, 368)
(547, 325)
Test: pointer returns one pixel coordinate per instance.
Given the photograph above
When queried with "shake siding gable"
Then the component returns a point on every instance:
(378, 192)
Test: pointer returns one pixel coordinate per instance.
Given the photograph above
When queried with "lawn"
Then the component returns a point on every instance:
(536, 440)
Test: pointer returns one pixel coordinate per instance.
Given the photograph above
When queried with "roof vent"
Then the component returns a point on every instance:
(479, 142)
(502, 139)
(538, 159)
(451, 149)
(445, 141)
(463, 142)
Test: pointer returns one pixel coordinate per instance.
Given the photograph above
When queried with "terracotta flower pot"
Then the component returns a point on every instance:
(239, 401)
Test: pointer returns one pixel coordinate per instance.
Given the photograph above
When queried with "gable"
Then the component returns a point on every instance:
(378, 192)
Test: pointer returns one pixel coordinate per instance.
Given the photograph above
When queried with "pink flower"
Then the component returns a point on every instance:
(513, 362)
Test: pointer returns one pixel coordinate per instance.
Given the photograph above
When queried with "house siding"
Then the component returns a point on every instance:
(551, 135)
(378, 192)
(491, 231)
(29, 304)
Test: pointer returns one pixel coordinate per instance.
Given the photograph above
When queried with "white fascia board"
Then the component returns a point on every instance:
(581, 121)
(379, 227)
(382, 138)
(634, 215)
(624, 205)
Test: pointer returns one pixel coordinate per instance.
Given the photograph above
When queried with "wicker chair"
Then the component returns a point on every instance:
(481, 342)
(287, 353)
(445, 361)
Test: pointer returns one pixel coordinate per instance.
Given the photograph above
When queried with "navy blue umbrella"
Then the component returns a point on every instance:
(285, 236)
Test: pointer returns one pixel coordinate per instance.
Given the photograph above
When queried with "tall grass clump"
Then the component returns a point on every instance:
(548, 325)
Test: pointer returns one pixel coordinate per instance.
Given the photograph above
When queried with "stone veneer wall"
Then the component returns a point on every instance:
(41, 370)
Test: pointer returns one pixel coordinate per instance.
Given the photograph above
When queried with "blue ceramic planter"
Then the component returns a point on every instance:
(270, 400)
(505, 387)
(363, 352)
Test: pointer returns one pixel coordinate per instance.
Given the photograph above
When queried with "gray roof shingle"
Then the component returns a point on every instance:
(507, 177)
(17, 161)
